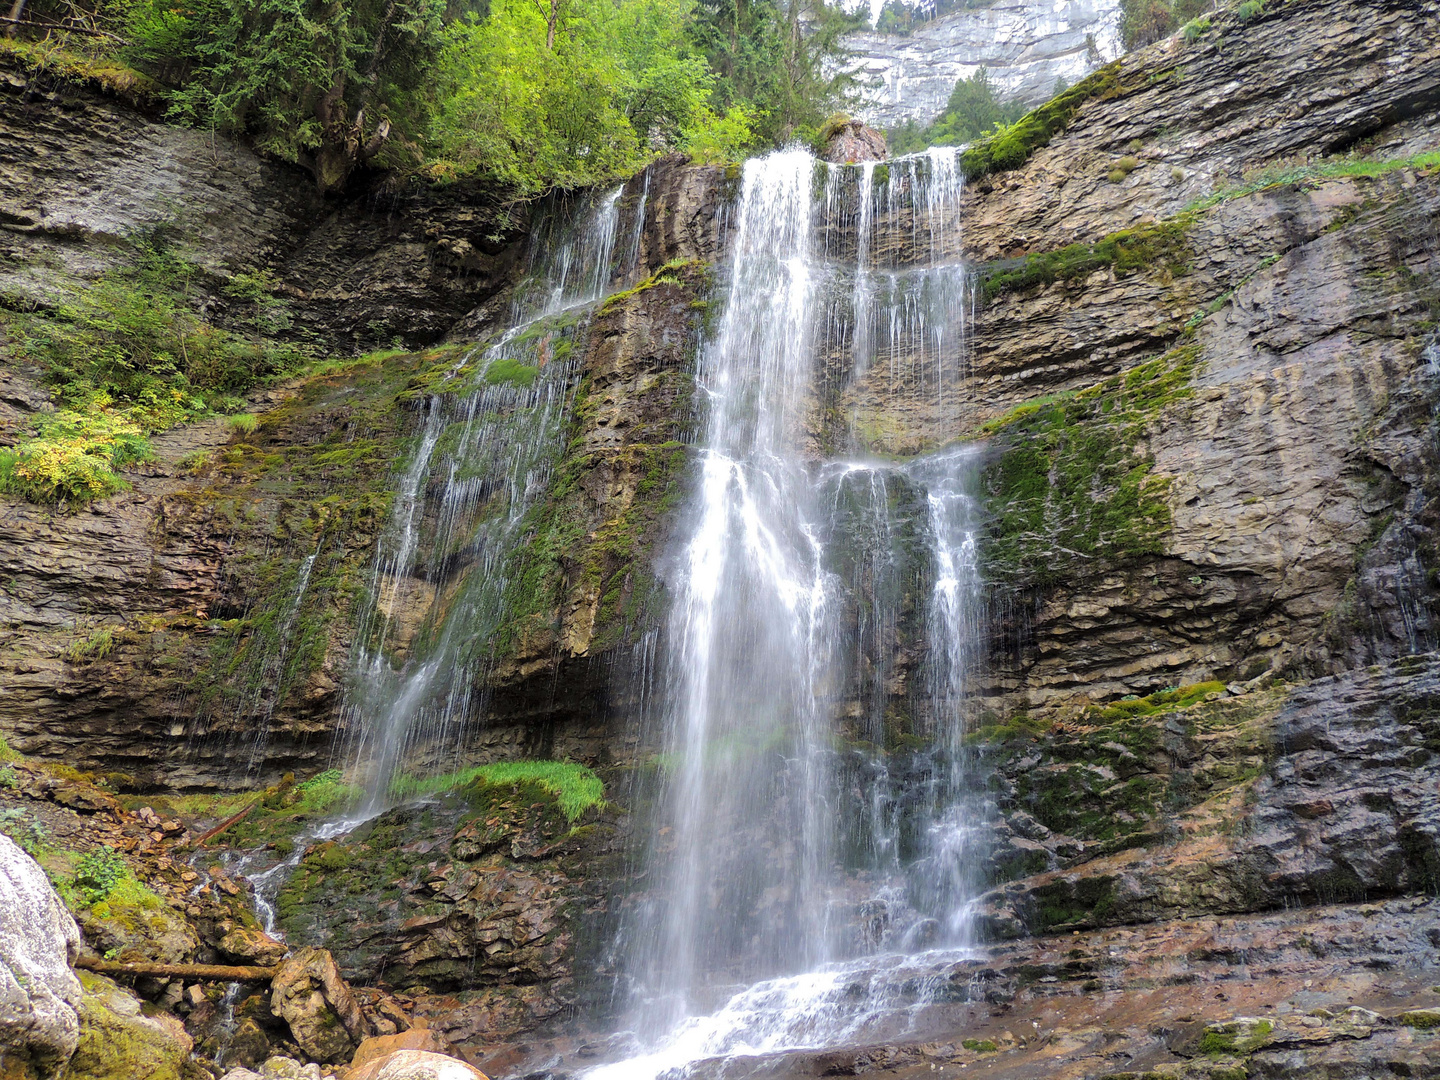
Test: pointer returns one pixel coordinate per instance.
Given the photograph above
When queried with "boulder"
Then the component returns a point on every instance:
(310, 995)
(283, 1068)
(117, 1040)
(848, 141)
(253, 946)
(416, 1065)
(382, 1046)
(39, 994)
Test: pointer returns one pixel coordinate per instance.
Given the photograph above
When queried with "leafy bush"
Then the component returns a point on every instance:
(99, 872)
(74, 456)
(1249, 10)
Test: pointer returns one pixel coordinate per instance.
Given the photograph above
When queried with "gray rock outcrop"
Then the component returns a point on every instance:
(39, 994)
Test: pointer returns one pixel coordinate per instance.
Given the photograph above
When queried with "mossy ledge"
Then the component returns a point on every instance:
(1129, 251)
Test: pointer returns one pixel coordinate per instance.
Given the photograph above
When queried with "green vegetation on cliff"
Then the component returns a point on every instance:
(1160, 246)
(1072, 481)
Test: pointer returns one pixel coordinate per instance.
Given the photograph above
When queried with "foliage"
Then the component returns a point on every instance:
(575, 787)
(319, 83)
(98, 645)
(1010, 146)
(776, 61)
(8, 754)
(1143, 22)
(74, 456)
(538, 109)
(713, 139)
(534, 94)
(972, 111)
(99, 872)
(126, 358)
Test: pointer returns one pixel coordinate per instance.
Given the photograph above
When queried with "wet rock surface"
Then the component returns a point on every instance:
(39, 1024)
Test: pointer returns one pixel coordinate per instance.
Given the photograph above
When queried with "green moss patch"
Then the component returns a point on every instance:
(1164, 701)
(1161, 247)
(575, 787)
(1072, 483)
(1012, 145)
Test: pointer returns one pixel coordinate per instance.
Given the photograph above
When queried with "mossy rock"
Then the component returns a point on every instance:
(118, 1042)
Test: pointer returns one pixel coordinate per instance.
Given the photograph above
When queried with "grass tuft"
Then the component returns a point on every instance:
(576, 788)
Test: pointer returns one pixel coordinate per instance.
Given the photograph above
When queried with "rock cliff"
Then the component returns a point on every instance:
(1204, 368)
(1023, 45)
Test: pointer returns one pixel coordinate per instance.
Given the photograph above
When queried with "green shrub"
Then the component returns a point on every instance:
(1195, 29)
(1250, 10)
(97, 646)
(243, 423)
(99, 872)
(76, 456)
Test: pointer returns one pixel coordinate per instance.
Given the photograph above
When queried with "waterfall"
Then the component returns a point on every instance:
(785, 846)
(483, 455)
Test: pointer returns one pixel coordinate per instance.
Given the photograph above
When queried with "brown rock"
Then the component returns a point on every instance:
(310, 995)
(253, 945)
(416, 1065)
(848, 141)
(379, 1047)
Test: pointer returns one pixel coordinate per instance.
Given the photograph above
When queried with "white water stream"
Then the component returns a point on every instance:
(793, 589)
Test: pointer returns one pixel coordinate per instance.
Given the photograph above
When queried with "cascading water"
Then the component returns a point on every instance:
(485, 443)
(483, 456)
(795, 594)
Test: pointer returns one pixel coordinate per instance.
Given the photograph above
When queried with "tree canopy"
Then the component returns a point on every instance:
(535, 94)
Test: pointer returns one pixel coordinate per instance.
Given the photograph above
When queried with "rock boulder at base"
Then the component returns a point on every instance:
(39, 994)
(848, 141)
(253, 947)
(382, 1046)
(117, 1040)
(416, 1065)
(310, 995)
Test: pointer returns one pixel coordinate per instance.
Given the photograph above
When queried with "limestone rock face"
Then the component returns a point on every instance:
(39, 994)
(1023, 45)
(311, 995)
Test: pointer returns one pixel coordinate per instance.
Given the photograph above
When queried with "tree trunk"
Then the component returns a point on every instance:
(200, 972)
(16, 10)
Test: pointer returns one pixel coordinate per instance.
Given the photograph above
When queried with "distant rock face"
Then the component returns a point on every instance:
(1025, 45)
(39, 994)
(855, 141)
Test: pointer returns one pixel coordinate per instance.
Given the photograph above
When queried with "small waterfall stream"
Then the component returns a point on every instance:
(484, 454)
(784, 856)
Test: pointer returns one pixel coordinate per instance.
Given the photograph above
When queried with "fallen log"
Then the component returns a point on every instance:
(231, 820)
(198, 972)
